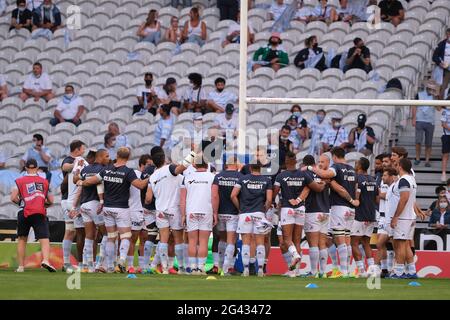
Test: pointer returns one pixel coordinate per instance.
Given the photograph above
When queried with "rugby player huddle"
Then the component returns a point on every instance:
(173, 208)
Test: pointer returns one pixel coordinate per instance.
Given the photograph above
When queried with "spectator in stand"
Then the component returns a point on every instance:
(197, 131)
(109, 145)
(317, 127)
(169, 95)
(3, 159)
(40, 153)
(146, 96)
(344, 12)
(362, 138)
(219, 98)
(182, 3)
(121, 139)
(163, 131)
(445, 139)
(2, 7)
(284, 144)
(173, 33)
(194, 29)
(423, 119)
(440, 192)
(272, 55)
(227, 122)
(195, 96)
(392, 11)
(306, 58)
(323, 12)
(228, 9)
(21, 17)
(34, 4)
(358, 57)
(37, 85)
(299, 127)
(3, 88)
(150, 30)
(234, 31)
(47, 16)
(335, 136)
(440, 216)
(69, 109)
(276, 9)
(441, 57)
(303, 14)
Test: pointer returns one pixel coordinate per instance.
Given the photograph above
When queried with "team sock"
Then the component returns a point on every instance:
(179, 253)
(349, 255)
(67, 246)
(314, 257)
(399, 269)
(221, 251)
(390, 260)
(156, 258)
(142, 263)
(287, 258)
(170, 262)
(130, 261)
(163, 254)
(229, 259)
(186, 254)
(323, 257)
(201, 264)
(148, 248)
(245, 255)
(361, 249)
(102, 252)
(343, 257)
(215, 259)
(332, 251)
(124, 248)
(260, 256)
(411, 268)
(110, 254)
(293, 251)
(360, 266)
(88, 251)
(384, 264)
(370, 262)
(193, 262)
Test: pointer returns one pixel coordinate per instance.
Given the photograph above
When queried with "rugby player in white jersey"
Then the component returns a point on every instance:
(403, 222)
(384, 234)
(294, 186)
(164, 185)
(342, 201)
(227, 213)
(137, 223)
(72, 226)
(317, 206)
(117, 179)
(197, 212)
(252, 195)
(365, 216)
(91, 205)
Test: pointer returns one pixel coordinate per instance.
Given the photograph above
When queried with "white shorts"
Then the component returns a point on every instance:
(149, 217)
(254, 222)
(404, 230)
(169, 220)
(341, 218)
(89, 213)
(77, 221)
(119, 217)
(317, 222)
(137, 220)
(279, 230)
(362, 228)
(293, 216)
(228, 222)
(199, 222)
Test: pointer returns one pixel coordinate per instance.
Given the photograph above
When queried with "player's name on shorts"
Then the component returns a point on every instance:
(113, 179)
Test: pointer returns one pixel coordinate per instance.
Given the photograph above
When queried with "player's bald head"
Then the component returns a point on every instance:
(123, 153)
(100, 154)
(324, 161)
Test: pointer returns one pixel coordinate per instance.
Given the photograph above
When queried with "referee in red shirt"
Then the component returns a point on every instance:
(31, 193)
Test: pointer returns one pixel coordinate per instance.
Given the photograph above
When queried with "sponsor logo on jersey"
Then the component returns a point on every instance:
(31, 188)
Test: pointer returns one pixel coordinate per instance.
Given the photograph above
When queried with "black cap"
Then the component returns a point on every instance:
(170, 81)
(229, 108)
(166, 108)
(293, 117)
(362, 117)
(31, 164)
(156, 150)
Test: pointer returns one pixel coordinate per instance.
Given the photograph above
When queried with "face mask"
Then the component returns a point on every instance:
(315, 45)
(298, 114)
(320, 117)
(21, 9)
(197, 125)
(113, 144)
(148, 83)
(47, 6)
(274, 43)
(442, 205)
(220, 90)
(33, 145)
(293, 127)
(283, 138)
(69, 96)
(361, 124)
(337, 124)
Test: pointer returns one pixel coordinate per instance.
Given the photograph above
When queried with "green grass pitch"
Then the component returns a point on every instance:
(39, 284)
